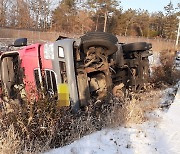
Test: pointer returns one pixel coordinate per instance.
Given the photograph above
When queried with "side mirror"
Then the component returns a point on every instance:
(20, 42)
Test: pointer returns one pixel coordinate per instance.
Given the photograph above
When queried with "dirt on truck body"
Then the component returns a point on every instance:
(74, 71)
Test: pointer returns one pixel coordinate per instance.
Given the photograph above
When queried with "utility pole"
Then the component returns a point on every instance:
(178, 32)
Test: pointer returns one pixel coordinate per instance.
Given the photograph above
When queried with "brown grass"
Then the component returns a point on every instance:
(39, 126)
(9, 141)
(166, 73)
(158, 44)
(134, 109)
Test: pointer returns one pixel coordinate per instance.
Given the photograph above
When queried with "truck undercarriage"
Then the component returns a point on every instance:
(108, 67)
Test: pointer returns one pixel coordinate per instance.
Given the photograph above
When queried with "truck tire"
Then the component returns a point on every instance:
(100, 39)
(138, 46)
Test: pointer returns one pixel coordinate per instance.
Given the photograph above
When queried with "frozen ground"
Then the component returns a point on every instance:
(159, 135)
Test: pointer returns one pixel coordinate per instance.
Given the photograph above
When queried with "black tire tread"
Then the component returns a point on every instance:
(137, 46)
(100, 35)
(100, 39)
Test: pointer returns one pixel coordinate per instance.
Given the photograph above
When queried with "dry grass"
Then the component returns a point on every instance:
(134, 108)
(9, 141)
(159, 44)
(39, 126)
(166, 73)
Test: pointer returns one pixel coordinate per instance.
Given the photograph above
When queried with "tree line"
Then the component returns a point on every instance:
(77, 16)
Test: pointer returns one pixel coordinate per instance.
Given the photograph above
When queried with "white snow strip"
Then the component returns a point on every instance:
(171, 125)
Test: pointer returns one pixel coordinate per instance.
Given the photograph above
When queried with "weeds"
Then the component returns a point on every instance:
(9, 141)
(33, 127)
(166, 73)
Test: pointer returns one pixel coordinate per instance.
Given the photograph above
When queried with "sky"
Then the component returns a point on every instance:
(150, 5)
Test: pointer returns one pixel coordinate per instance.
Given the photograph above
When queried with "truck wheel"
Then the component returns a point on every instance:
(138, 46)
(100, 39)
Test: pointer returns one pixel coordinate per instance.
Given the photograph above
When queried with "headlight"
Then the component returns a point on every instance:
(60, 52)
(49, 51)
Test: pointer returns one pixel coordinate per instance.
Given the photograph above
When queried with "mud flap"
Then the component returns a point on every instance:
(63, 95)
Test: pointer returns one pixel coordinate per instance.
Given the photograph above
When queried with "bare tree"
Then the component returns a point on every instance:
(41, 13)
(23, 16)
(3, 11)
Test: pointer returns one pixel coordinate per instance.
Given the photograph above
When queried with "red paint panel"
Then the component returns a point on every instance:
(30, 61)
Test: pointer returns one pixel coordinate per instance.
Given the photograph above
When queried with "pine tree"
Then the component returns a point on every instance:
(63, 17)
(103, 8)
(170, 24)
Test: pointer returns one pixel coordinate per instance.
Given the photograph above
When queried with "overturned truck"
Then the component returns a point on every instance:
(74, 71)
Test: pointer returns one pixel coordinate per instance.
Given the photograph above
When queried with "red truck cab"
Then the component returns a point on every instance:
(40, 68)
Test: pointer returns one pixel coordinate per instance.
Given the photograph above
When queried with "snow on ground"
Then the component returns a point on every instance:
(177, 64)
(160, 135)
(171, 125)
